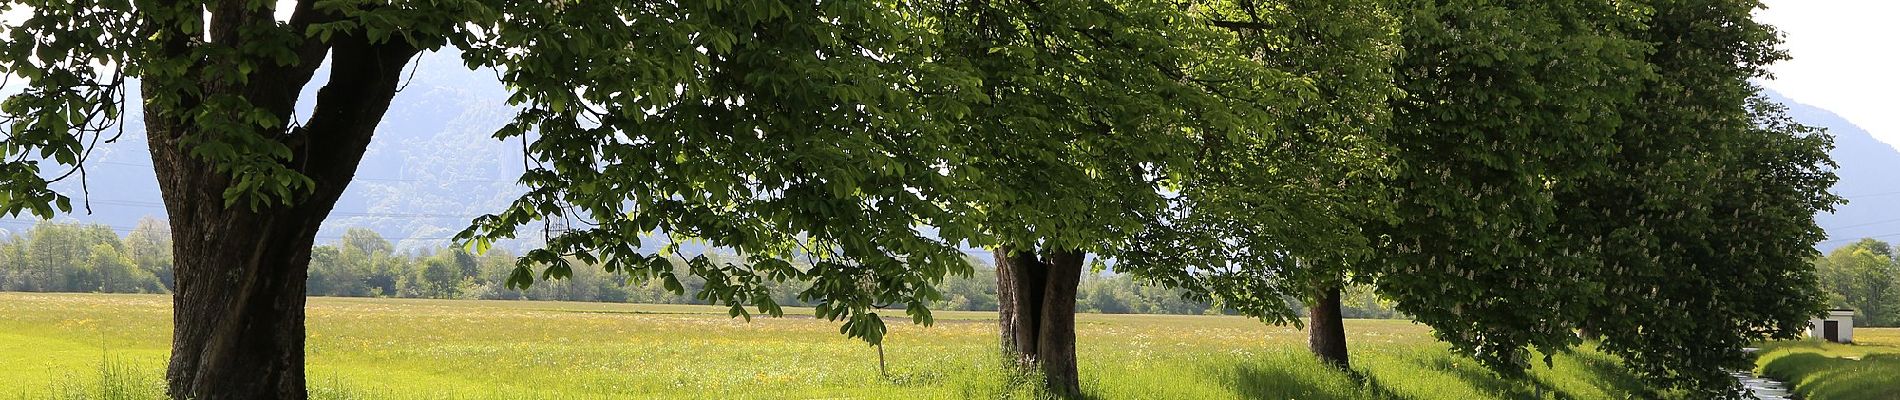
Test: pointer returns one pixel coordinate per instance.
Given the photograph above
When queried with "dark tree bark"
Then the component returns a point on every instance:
(1327, 329)
(1036, 308)
(238, 307)
(1057, 332)
(1019, 281)
(238, 312)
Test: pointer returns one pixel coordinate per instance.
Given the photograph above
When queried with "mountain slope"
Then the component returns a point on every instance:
(1870, 178)
(431, 167)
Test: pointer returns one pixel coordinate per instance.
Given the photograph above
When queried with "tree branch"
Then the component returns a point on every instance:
(363, 80)
(279, 86)
(1238, 25)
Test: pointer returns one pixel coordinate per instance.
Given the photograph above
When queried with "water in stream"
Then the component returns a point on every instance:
(1763, 388)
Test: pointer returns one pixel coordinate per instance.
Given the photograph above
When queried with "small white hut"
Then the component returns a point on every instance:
(1837, 326)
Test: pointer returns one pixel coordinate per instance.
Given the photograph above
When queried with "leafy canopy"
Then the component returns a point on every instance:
(864, 138)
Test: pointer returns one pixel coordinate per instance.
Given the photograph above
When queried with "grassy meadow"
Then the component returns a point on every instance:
(1867, 369)
(114, 346)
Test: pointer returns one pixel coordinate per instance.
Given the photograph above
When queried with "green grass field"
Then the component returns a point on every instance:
(114, 346)
(1867, 369)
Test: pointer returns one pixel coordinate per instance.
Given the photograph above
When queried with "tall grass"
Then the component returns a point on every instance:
(112, 380)
(436, 349)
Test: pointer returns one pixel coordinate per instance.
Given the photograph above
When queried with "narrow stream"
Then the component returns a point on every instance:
(1761, 388)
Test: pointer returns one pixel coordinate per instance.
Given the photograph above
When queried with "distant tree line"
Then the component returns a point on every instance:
(73, 257)
(55, 257)
(1863, 276)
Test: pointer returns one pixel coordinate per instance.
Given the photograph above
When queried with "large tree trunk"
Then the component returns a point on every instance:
(238, 308)
(238, 312)
(1036, 307)
(1326, 329)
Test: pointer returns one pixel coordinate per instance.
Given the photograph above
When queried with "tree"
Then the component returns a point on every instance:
(150, 247)
(778, 129)
(329, 276)
(12, 277)
(465, 263)
(245, 182)
(116, 273)
(970, 293)
(1092, 114)
(814, 139)
(1346, 48)
(1625, 191)
(1706, 218)
(1503, 101)
(365, 255)
(57, 257)
(439, 277)
(1259, 234)
(1863, 276)
(366, 241)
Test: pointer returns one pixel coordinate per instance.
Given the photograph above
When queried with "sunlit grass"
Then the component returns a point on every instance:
(76, 346)
(1818, 370)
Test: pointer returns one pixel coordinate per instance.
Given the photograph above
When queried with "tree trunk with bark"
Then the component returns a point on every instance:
(1326, 329)
(238, 312)
(1036, 308)
(238, 306)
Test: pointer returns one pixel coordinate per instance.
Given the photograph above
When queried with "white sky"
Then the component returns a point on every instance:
(1844, 59)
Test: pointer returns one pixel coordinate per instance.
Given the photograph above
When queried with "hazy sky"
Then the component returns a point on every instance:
(1845, 59)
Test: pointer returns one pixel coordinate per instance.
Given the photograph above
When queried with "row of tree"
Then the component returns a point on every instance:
(1863, 276)
(72, 257)
(1508, 172)
(55, 257)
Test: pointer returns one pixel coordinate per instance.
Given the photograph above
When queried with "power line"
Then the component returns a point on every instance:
(1859, 238)
(1884, 221)
(411, 180)
(161, 206)
(1878, 194)
(128, 230)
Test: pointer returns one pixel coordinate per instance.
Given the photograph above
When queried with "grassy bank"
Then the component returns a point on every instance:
(1868, 369)
(114, 346)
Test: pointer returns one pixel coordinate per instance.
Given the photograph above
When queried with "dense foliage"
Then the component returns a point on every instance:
(1705, 217)
(1256, 220)
(1865, 277)
(1505, 171)
(1502, 102)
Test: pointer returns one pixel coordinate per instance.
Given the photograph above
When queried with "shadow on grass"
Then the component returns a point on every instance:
(1281, 381)
(1604, 371)
(1488, 382)
(1275, 381)
(1599, 371)
(1298, 377)
(1372, 386)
